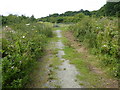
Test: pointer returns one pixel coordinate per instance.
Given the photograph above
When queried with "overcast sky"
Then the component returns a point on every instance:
(42, 8)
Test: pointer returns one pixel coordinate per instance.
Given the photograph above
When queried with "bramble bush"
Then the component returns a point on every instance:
(22, 44)
(101, 35)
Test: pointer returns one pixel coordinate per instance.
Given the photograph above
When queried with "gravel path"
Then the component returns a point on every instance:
(67, 72)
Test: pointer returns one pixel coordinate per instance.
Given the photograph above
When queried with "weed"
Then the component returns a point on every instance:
(101, 37)
(80, 63)
(22, 44)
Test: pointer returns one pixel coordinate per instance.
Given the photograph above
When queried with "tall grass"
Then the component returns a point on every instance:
(101, 35)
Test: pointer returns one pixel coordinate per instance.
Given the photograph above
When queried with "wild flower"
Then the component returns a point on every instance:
(27, 24)
(23, 36)
(104, 46)
(98, 27)
(12, 67)
(12, 31)
(20, 61)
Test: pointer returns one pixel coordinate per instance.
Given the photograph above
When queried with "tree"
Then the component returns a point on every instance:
(54, 15)
(109, 9)
(60, 20)
(32, 18)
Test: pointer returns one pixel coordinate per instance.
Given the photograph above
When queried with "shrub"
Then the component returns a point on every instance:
(22, 44)
(100, 35)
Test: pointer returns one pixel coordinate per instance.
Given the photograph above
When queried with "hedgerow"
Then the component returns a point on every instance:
(22, 44)
(101, 35)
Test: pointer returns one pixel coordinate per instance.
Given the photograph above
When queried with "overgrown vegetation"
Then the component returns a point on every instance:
(99, 30)
(109, 9)
(67, 17)
(22, 44)
(101, 35)
(87, 78)
(24, 39)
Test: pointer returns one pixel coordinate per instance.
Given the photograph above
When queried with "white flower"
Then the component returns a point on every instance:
(104, 45)
(27, 24)
(12, 67)
(12, 31)
(97, 27)
(23, 37)
(20, 61)
(6, 26)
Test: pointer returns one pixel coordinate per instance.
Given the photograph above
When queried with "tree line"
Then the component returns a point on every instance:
(109, 9)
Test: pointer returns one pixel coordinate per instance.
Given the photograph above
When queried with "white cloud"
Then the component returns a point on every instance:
(41, 8)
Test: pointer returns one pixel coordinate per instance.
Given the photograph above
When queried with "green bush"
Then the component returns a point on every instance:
(100, 34)
(22, 44)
